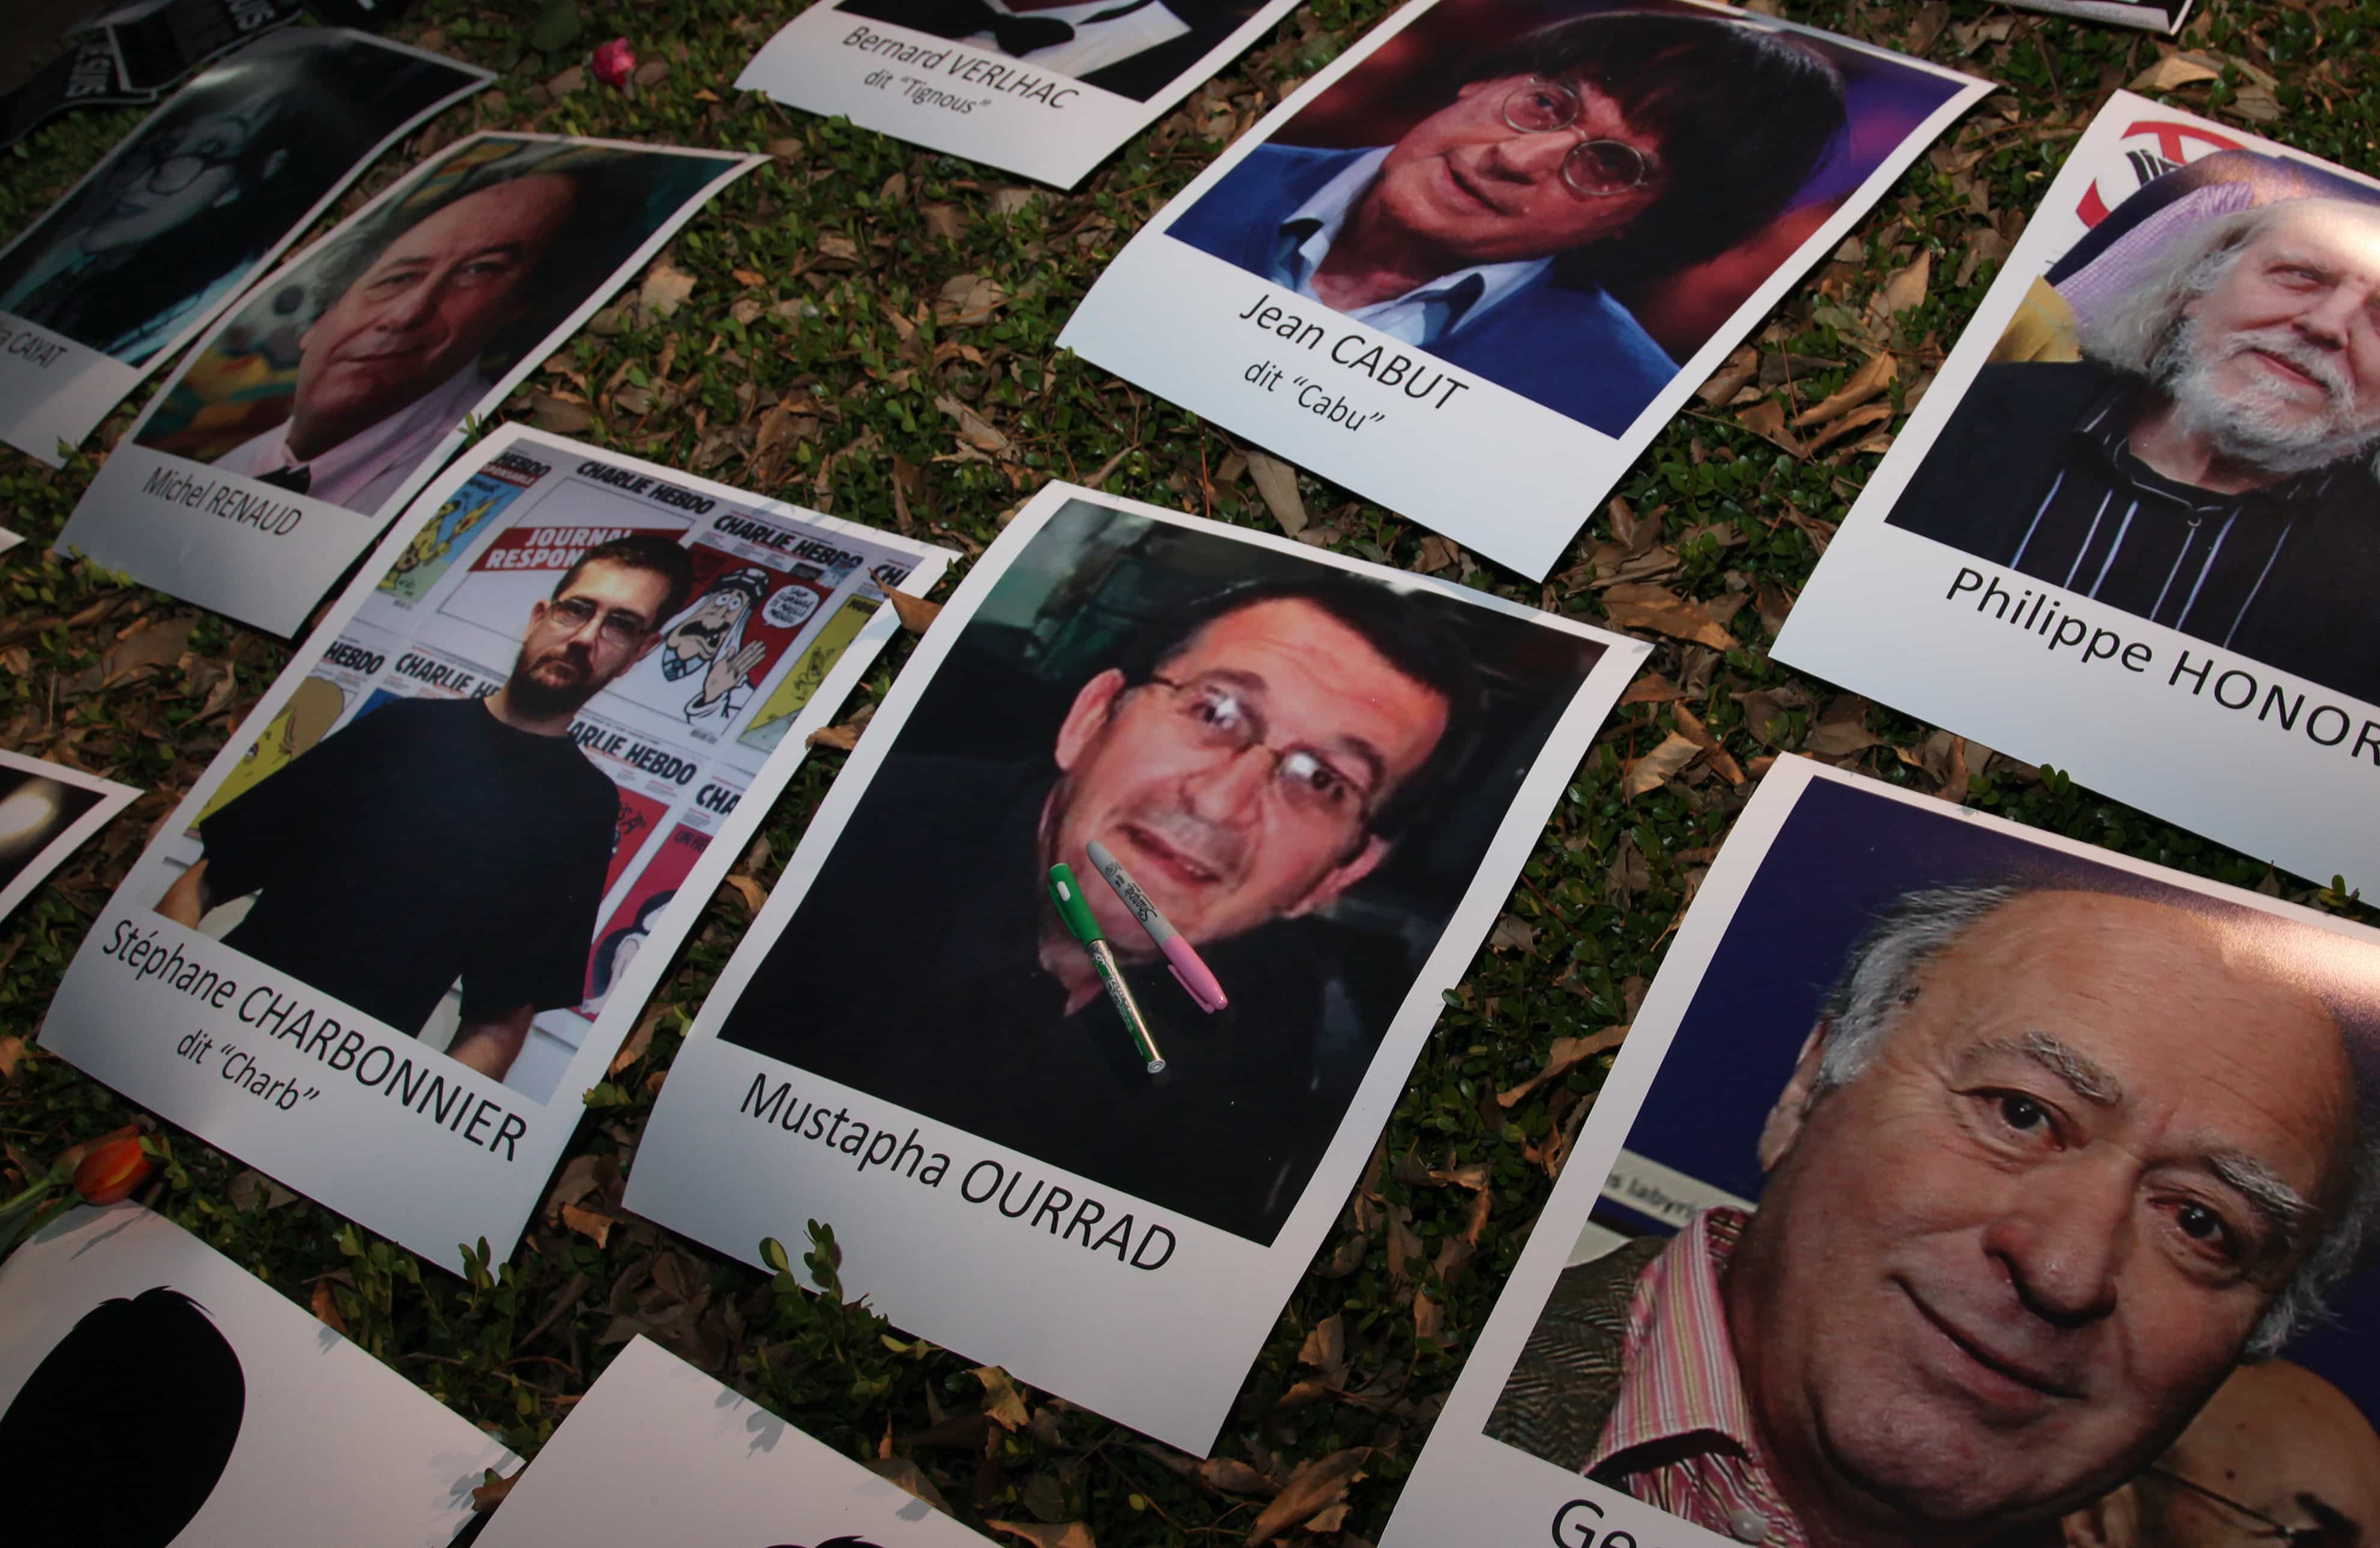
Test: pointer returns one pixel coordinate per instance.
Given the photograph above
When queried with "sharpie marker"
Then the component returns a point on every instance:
(1192, 974)
(1068, 895)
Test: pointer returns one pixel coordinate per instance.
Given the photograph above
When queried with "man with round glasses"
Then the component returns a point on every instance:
(2278, 1457)
(1250, 760)
(1618, 145)
(436, 839)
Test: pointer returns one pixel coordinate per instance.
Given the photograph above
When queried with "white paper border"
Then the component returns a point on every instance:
(1165, 1352)
(804, 66)
(1468, 1488)
(1508, 478)
(69, 412)
(113, 798)
(215, 563)
(446, 1193)
(1874, 617)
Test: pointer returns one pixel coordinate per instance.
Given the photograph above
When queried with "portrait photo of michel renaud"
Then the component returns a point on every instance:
(178, 219)
(344, 374)
(2056, 1181)
(2181, 420)
(1301, 766)
(1566, 201)
(446, 852)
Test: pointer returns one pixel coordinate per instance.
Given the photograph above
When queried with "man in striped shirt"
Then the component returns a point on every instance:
(2030, 1201)
(2208, 464)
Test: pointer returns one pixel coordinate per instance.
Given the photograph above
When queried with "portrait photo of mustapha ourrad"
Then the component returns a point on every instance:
(345, 372)
(1134, 48)
(2182, 420)
(1566, 200)
(177, 218)
(2027, 1200)
(1300, 765)
(437, 842)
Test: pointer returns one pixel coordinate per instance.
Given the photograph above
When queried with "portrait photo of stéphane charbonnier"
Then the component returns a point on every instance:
(2027, 1242)
(1567, 201)
(1301, 766)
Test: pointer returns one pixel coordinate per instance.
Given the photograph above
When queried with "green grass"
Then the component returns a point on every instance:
(816, 280)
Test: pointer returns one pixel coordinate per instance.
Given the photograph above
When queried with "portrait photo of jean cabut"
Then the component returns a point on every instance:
(1567, 201)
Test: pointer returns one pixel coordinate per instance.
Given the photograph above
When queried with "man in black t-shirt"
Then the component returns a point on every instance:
(433, 840)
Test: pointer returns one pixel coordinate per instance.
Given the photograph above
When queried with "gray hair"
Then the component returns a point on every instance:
(1879, 980)
(2134, 334)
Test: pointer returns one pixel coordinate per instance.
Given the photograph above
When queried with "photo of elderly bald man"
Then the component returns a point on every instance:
(437, 842)
(2185, 425)
(1992, 1165)
(1301, 766)
(346, 372)
(1567, 201)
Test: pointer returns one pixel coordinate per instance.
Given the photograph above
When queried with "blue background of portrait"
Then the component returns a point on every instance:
(1841, 856)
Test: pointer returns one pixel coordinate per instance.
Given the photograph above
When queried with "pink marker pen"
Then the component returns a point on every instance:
(1192, 975)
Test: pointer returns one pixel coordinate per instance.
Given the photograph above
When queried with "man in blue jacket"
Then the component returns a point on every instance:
(1628, 143)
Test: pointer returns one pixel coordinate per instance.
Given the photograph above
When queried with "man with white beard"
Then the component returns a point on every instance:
(2208, 464)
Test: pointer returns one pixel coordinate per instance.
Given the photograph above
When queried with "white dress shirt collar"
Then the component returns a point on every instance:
(1421, 315)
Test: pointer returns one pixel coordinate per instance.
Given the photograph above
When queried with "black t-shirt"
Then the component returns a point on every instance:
(426, 841)
(912, 972)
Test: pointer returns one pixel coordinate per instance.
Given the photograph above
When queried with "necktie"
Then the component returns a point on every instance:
(296, 481)
(1014, 35)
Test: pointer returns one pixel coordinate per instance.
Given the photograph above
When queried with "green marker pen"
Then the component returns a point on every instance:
(1068, 896)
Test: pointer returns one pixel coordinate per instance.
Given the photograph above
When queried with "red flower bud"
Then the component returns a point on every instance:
(111, 1171)
(613, 62)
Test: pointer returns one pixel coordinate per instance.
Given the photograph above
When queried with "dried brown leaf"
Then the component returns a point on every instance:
(1566, 1055)
(326, 1307)
(1766, 420)
(1277, 482)
(968, 298)
(1000, 1398)
(1637, 606)
(1311, 1489)
(1234, 1477)
(2174, 71)
(1869, 382)
(916, 614)
(1905, 288)
(1660, 766)
(665, 288)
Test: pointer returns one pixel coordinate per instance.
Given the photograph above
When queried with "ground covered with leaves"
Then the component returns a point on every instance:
(869, 329)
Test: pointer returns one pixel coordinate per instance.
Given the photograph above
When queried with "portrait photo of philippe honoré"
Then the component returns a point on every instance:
(1302, 767)
(2182, 420)
(340, 378)
(2045, 1164)
(1134, 48)
(437, 842)
(1566, 201)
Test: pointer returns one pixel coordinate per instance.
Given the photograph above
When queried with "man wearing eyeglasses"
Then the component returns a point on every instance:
(437, 840)
(1622, 144)
(2279, 1457)
(1250, 760)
